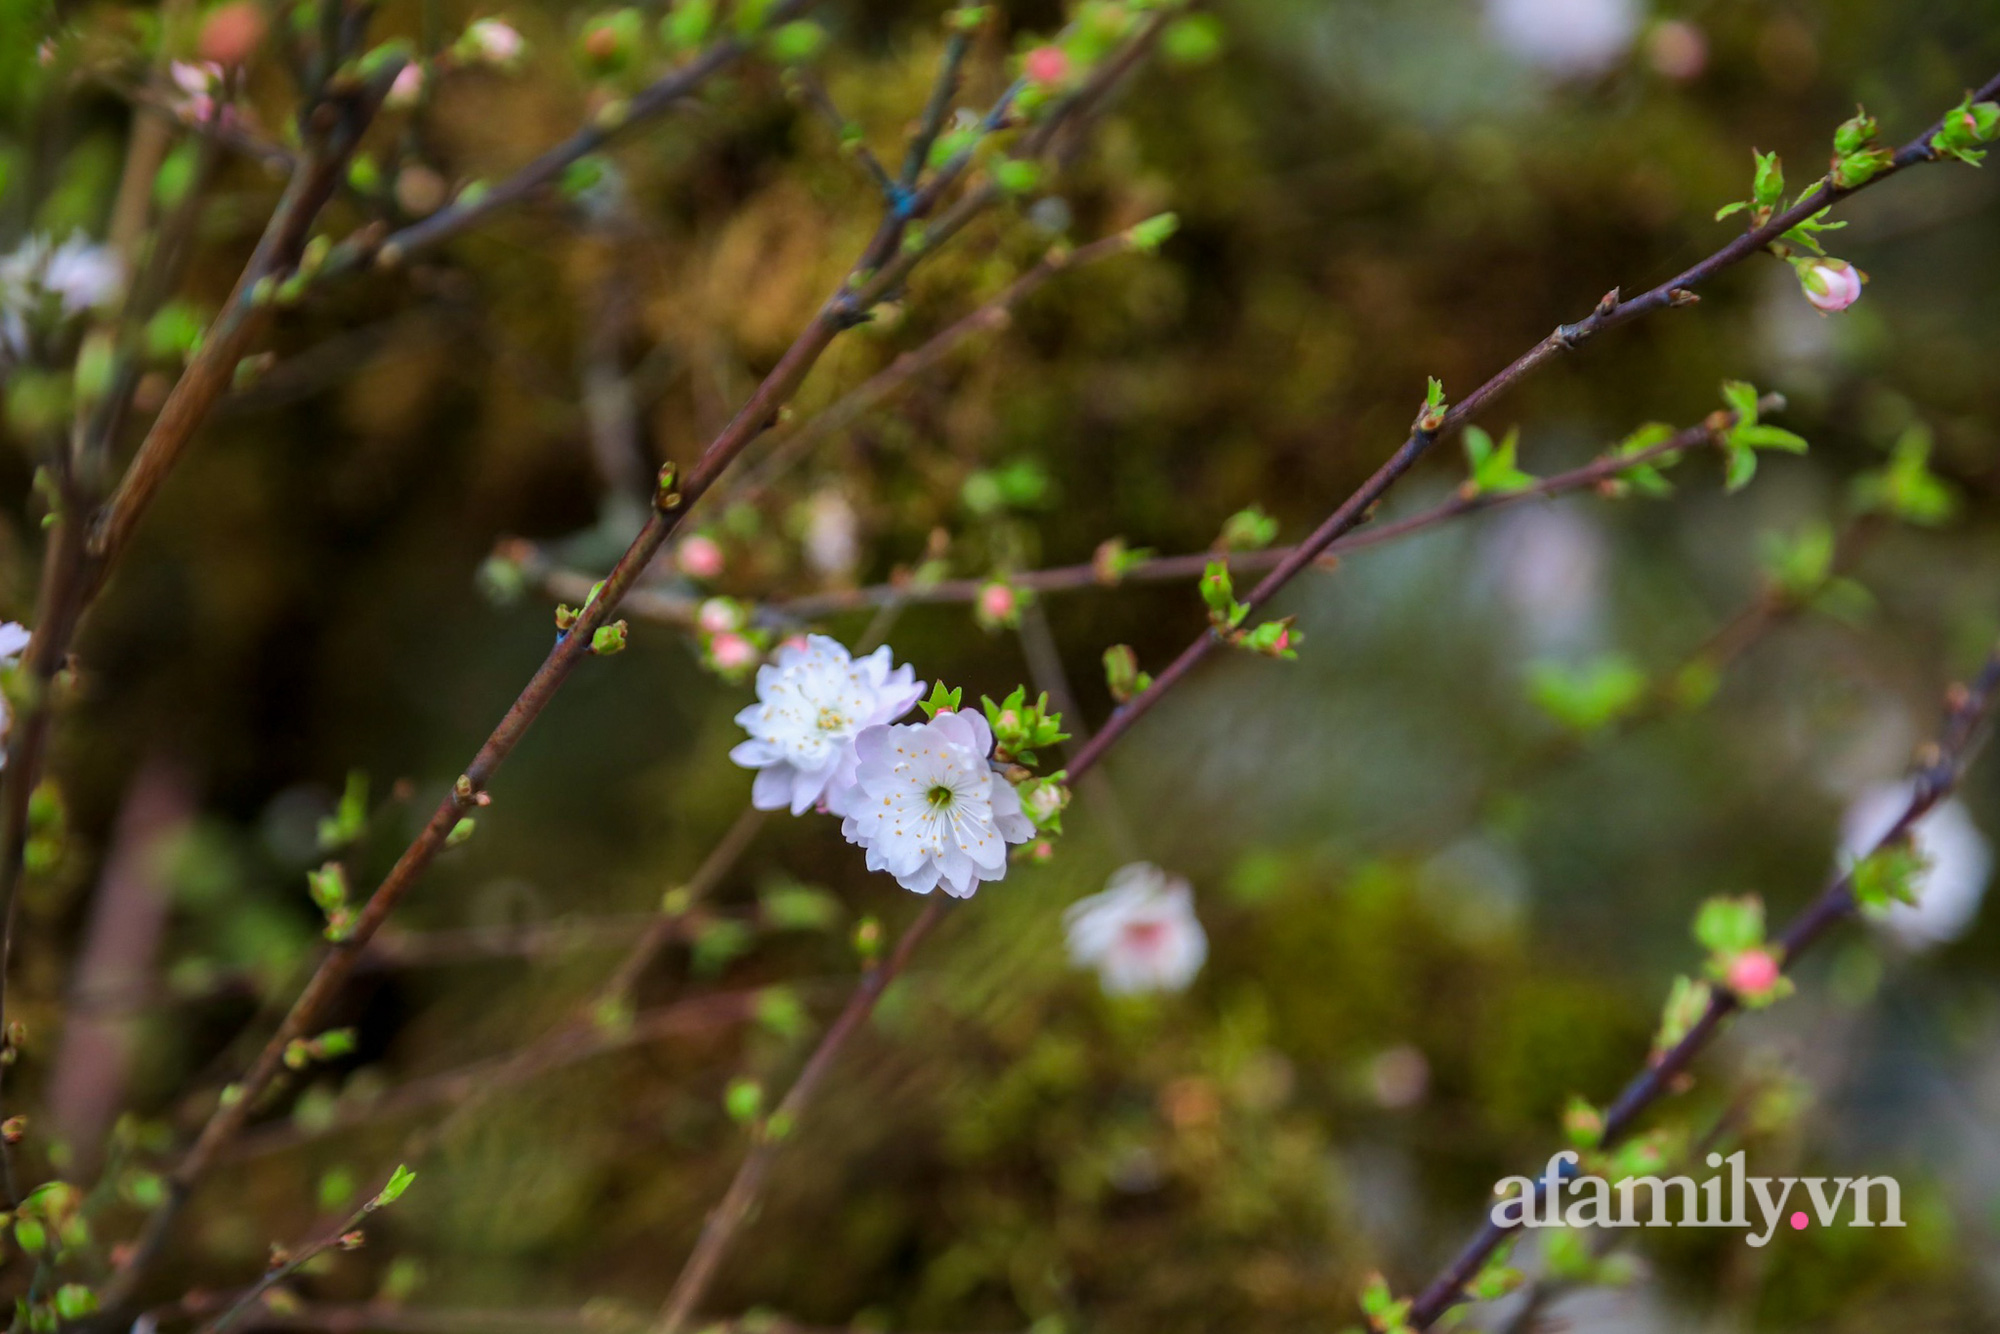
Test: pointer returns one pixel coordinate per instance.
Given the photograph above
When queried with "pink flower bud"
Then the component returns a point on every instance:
(1046, 65)
(407, 88)
(1830, 284)
(1752, 973)
(1283, 642)
(699, 558)
(731, 652)
(996, 602)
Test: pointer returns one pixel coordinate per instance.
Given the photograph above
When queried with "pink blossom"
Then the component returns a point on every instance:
(699, 558)
(1140, 934)
(1046, 65)
(1830, 284)
(1752, 973)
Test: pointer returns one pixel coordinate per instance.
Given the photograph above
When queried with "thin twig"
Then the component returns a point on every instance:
(291, 1264)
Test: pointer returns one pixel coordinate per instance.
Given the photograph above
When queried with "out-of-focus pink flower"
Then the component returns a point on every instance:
(1046, 65)
(1830, 284)
(699, 558)
(1140, 934)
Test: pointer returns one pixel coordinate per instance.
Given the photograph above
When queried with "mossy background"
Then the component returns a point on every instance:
(1370, 192)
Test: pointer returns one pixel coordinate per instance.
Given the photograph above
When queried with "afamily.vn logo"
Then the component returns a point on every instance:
(1678, 1201)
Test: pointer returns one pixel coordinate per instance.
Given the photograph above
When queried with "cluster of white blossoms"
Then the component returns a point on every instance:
(1140, 934)
(926, 800)
(40, 281)
(934, 803)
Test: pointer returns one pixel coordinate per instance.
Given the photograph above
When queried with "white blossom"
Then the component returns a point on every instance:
(1565, 37)
(1140, 934)
(13, 643)
(1961, 861)
(813, 700)
(77, 275)
(929, 806)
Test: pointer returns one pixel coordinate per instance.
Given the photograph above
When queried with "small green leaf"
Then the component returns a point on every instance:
(743, 1100)
(1727, 926)
(941, 700)
(399, 1181)
(1147, 237)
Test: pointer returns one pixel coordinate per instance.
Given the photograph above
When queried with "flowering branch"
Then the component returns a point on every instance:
(1434, 421)
(886, 264)
(1941, 765)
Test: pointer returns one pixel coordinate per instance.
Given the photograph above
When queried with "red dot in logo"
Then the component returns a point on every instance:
(1799, 1221)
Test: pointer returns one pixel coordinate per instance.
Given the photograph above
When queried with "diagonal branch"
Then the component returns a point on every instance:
(1967, 709)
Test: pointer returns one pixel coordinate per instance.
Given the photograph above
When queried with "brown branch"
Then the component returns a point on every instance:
(721, 1225)
(83, 546)
(1941, 767)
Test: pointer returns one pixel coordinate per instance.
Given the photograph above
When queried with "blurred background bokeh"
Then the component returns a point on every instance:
(1434, 913)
